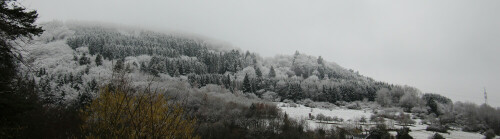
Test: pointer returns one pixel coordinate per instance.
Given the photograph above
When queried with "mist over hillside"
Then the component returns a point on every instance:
(443, 49)
(249, 69)
(74, 64)
(202, 62)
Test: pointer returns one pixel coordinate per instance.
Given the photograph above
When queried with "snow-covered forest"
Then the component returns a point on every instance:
(91, 51)
(78, 79)
(231, 93)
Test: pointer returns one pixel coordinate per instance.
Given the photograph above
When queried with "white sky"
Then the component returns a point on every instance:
(450, 47)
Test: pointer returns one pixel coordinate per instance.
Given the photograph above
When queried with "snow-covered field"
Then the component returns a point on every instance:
(417, 131)
(302, 112)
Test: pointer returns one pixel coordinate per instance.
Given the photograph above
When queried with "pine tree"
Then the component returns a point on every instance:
(176, 73)
(320, 60)
(227, 81)
(258, 72)
(247, 87)
(272, 73)
(144, 68)
(84, 60)
(15, 22)
(295, 56)
(98, 60)
(119, 66)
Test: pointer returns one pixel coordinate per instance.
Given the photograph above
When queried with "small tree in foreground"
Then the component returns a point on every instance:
(379, 132)
(121, 114)
(437, 136)
(489, 134)
(404, 133)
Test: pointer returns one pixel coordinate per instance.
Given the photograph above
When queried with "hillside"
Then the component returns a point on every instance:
(294, 77)
(71, 64)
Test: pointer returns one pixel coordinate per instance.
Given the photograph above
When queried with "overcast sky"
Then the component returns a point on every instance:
(450, 47)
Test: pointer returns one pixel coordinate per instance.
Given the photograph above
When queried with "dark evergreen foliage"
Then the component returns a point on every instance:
(272, 73)
(178, 56)
(247, 87)
(84, 60)
(16, 99)
(437, 136)
(432, 101)
(258, 72)
(379, 132)
(98, 60)
(490, 134)
(403, 134)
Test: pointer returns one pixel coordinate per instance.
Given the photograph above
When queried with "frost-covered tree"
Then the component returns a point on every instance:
(320, 60)
(119, 65)
(383, 97)
(84, 60)
(410, 99)
(247, 87)
(272, 73)
(98, 60)
(258, 72)
(435, 101)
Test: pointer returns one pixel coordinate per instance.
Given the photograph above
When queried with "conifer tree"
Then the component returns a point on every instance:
(258, 72)
(320, 60)
(247, 87)
(119, 65)
(15, 23)
(272, 73)
(98, 60)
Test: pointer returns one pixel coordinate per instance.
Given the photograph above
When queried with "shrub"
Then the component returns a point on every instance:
(270, 96)
(354, 106)
(437, 136)
(379, 132)
(489, 134)
(437, 128)
(405, 120)
(447, 118)
(419, 111)
(321, 117)
(474, 128)
(122, 114)
(307, 102)
(293, 105)
(363, 119)
(328, 118)
(312, 117)
(335, 118)
(403, 134)
(390, 113)
(288, 101)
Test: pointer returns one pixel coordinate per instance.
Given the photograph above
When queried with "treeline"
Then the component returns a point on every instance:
(86, 62)
(124, 111)
(298, 78)
(94, 81)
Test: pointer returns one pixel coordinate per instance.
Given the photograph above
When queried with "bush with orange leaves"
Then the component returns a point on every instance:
(122, 114)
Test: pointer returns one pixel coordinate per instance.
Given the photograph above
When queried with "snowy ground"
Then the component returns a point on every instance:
(302, 112)
(417, 130)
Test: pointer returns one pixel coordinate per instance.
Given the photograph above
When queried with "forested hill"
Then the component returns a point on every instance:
(73, 66)
(86, 54)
